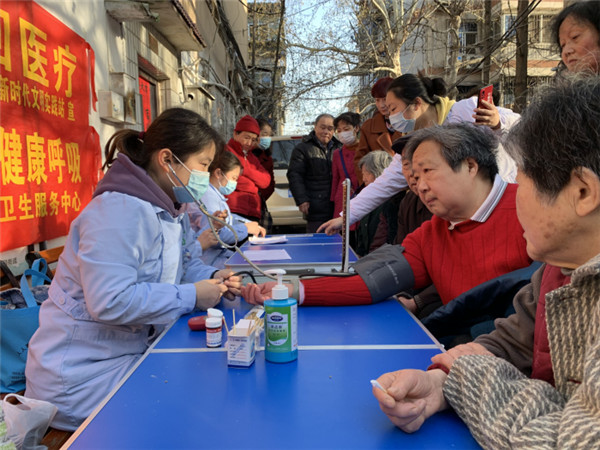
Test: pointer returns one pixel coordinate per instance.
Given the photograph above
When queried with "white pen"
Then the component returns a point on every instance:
(376, 384)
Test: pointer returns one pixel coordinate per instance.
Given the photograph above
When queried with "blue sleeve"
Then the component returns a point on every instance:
(117, 265)
(227, 235)
(197, 217)
(194, 268)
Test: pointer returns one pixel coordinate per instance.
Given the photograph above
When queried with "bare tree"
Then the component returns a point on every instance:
(348, 49)
(521, 60)
(454, 10)
(337, 48)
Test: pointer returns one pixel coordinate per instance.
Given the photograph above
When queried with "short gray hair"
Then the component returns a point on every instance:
(559, 132)
(459, 141)
(375, 162)
(320, 116)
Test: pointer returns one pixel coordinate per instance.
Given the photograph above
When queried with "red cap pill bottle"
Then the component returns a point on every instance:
(214, 332)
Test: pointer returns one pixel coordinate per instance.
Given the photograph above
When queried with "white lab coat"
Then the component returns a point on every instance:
(214, 201)
(115, 288)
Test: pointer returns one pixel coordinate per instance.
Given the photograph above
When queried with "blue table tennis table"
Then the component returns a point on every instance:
(309, 253)
(182, 394)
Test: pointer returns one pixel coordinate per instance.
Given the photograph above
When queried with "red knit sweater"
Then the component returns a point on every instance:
(453, 260)
(245, 199)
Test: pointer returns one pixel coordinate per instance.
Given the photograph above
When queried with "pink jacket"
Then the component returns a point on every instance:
(338, 175)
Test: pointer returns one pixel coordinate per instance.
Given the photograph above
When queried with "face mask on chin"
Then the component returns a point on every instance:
(196, 185)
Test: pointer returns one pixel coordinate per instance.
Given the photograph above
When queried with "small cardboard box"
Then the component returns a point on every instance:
(241, 348)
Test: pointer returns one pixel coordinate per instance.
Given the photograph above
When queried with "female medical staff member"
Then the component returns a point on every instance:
(225, 171)
(130, 266)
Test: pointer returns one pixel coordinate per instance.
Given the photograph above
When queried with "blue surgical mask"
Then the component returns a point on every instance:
(197, 185)
(228, 188)
(400, 123)
(264, 142)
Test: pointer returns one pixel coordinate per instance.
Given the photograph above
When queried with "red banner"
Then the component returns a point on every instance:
(146, 102)
(50, 156)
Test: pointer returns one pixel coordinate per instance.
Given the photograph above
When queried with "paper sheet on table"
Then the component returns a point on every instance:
(267, 255)
(256, 240)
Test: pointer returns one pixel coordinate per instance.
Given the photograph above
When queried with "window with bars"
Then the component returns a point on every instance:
(539, 29)
(508, 23)
(467, 35)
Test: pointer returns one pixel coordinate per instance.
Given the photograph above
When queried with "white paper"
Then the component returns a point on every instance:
(256, 240)
(267, 255)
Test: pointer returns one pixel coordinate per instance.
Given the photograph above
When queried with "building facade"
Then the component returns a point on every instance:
(147, 56)
(448, 39)
(267, 60)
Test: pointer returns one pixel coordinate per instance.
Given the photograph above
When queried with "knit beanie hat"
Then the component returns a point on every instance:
(249, 124)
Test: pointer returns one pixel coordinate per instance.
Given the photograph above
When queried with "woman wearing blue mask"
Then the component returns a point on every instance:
(415, 102)
(263, 152)
(225, 171)
(130, 266)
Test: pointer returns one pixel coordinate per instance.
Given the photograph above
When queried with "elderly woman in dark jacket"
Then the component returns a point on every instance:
(310, 174)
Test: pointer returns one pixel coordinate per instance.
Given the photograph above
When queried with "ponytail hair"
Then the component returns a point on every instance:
(226, 161)
(181, 130)
(408, 87)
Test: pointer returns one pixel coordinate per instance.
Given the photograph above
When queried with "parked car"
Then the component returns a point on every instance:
(281, 204)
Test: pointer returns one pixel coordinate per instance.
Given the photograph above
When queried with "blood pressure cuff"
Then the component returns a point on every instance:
(385, 272)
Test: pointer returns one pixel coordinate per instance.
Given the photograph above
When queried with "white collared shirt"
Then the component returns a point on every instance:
(490, 202)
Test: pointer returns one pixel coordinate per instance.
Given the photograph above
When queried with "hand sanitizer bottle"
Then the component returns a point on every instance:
(281, 323)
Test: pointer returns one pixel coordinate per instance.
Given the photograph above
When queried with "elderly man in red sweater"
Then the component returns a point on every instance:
(245, 200)
(474, 235)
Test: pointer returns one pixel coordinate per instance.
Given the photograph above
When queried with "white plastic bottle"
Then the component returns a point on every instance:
(281, 323)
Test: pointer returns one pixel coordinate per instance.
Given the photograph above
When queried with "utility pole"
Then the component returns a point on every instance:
(487, 41)
(253, 37)
(274, 76)
(521, 57)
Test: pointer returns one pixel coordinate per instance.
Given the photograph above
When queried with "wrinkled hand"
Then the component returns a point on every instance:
(331, 226)
(412, 396)
(488, 115)
(207, 239)
(303, 207)
(255, 229)
(447, 359)
(233, 283)
(208, 293)
(408, 303)
(256, 294)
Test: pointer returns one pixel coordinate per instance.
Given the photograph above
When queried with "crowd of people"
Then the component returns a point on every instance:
(437, 216)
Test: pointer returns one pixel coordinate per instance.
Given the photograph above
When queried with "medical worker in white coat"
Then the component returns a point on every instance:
(130, 266)
(224, 173)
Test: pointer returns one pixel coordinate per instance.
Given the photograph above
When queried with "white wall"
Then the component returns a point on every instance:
(116, 47)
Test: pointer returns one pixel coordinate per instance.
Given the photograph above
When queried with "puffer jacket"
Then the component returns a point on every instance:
(310, 175)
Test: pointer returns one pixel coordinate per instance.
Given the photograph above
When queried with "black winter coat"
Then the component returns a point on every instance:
(310, 175)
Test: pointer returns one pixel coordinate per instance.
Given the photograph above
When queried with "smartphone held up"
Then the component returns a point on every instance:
(485, 94)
